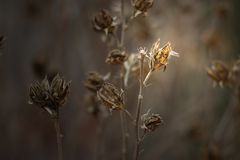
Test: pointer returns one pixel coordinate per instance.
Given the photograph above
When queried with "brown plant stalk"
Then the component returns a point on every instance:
(122, 74)
(139, 106)
(59, 136)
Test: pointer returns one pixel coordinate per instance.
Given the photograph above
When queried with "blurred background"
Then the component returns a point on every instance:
(47, 36)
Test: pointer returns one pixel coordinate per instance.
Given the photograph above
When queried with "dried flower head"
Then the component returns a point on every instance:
(50, 96)
(94, 81)
(151, 122)
(103, 21)
(2, 40)
(160, 56)
(111, 96)
(219, 73)
(142, 6)
(116, 56)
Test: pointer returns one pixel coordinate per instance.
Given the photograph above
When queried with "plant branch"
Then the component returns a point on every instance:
(139, 106)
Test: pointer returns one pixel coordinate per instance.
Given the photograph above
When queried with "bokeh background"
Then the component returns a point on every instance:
(45, 36)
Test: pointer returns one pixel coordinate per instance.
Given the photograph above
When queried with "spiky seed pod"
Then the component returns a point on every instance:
(111, 97)
(116, 56)
(49, 96)
(94, 81)
(152, 122)
(103, 21)
(142, 6)
(219, 73)
(160, 56)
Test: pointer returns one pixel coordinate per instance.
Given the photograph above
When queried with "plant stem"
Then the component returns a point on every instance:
(123, 120)
(122, 115)
(59, 136)
(123, 24)
(139, 106)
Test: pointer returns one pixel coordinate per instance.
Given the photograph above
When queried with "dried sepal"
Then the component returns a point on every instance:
(151, 122)
(219, 73)
(103, 21)
(94, 81)
(111, 96)
(116, 56)
(141, 7)
(49, 97)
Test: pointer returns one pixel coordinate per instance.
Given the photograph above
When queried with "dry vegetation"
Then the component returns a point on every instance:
(149, 79)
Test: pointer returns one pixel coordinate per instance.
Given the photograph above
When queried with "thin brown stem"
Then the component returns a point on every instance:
(122, 115)
(123, 24)
(59, 136)
(139, 106)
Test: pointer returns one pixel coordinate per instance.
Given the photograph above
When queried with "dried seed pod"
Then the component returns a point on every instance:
(94, 81)
(111, 96)
(103, 21)
(49, 97)
(160, 56)
(151, 122)
(2, 40)
(219, 73)
(142, 6)
(116, 56)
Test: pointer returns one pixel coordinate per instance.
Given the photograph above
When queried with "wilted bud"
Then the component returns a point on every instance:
(103, 21)
(111, 96)
(160, 56)
(142, 6)
(116, 56)
(94, 81)
(151, 122)
(219, 73)
(2, 40)
(234, 74)
(49, 97)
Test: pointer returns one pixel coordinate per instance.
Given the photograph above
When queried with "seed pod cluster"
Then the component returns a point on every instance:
(94, 81)
(103, 21)
(151, 122)
(116, 56)
(50, 96)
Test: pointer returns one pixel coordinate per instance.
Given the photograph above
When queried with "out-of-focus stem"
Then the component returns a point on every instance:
(59, 136)
(122, 115)
(139, 106)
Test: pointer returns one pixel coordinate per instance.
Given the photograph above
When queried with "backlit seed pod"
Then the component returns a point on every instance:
(116, 56)
(49, 97)
(110, 96)
(219, 73)
(94, 81)
(160, 56)
(103, 21)
(152, 122)
(142, 6)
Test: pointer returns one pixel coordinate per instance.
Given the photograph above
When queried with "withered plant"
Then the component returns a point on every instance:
(141, 64)
(51, 96)
(228, 76)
